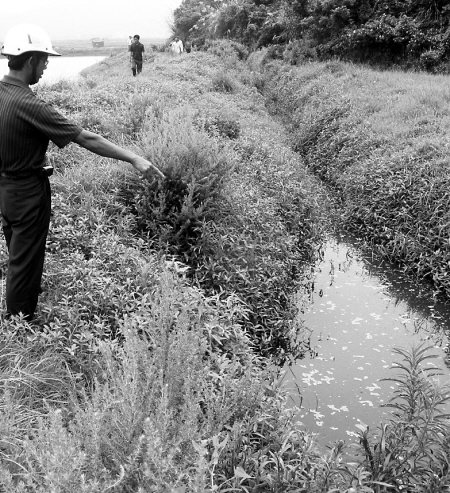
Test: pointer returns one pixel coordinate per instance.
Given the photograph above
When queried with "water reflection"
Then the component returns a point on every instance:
(360, 309)
(59, 68)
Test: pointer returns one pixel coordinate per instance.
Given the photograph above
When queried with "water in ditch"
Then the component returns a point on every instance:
(360, 309)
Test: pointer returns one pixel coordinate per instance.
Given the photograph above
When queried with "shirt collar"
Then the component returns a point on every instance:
(15, 82)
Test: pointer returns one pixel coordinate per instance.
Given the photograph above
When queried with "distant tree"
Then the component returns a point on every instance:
(243, 20)
(414, 32)
(186, 16)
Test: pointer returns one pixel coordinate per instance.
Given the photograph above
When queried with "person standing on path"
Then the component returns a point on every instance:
(176, 47)
(27, 124)
(136, 55)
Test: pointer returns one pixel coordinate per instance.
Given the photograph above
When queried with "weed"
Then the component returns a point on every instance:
(222, 127)
(228, 49)
(222, 82)
(410, 451)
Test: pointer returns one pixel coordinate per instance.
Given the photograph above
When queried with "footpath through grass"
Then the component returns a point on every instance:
(166, 306)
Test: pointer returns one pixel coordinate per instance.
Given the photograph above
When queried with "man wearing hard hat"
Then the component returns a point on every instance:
(27, 124)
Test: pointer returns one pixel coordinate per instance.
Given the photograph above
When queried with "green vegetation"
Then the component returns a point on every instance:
(167, 307)
(380, 139)
(407, 33)
(165, 304)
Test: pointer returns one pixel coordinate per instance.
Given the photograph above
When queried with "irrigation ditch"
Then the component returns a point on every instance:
(361, 307)
(367, 294)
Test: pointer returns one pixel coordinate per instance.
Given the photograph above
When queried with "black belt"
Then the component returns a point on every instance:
(45, 171)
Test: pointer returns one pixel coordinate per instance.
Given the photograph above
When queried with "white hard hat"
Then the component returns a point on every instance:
(27, 37)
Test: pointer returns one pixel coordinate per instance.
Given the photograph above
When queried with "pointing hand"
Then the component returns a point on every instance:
(146, 167)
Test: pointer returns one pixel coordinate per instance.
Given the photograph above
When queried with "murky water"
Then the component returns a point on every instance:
(60, 67)
(360, 310)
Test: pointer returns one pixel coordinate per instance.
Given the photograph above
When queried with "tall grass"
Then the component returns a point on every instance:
(380, 139)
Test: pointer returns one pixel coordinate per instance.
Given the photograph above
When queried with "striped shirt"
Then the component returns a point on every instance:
(27, 124)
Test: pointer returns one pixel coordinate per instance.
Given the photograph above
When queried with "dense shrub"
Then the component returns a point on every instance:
(227, 49)
(298, 52)
(386, 33)
(223, 127)
(430, 60)
(222, 82)
(172, 211)
(274, 52)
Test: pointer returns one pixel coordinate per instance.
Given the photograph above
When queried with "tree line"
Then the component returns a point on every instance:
(404, 33)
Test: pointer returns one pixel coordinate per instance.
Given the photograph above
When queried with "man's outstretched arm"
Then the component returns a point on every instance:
(103, 147)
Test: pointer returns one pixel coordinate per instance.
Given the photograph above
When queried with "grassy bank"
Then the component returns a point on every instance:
(164, 303)
(381, 140)
(233, 184)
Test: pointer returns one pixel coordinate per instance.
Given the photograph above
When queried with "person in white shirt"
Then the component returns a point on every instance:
(176, 47)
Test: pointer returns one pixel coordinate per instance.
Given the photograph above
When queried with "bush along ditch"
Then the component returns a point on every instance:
(225, 195)
(227, 192)
(380, 141)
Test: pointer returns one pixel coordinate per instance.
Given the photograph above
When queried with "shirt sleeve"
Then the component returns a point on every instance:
(56, 127)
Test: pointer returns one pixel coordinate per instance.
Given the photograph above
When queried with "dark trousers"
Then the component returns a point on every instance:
(25, 206)
(136, 67)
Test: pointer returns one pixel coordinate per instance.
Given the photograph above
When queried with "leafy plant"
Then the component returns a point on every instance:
(222, 127)
(222, 82)
(410, 451)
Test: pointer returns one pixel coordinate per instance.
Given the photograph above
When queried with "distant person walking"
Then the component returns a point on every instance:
(129, 42)
(136, 55)
(27, 124)
(176, 47)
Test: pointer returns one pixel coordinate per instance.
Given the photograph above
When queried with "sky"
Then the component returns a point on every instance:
(85, 19)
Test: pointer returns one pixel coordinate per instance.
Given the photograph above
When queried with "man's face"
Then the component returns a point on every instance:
(136, 40)
(41, 65)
